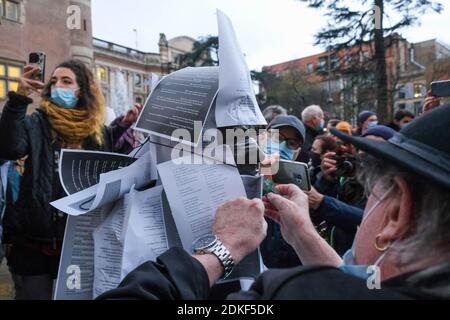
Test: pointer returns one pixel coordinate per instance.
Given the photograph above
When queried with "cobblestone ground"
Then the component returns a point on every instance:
(6, 283)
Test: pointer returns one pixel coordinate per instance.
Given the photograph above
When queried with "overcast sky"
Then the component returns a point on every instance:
(269, 31)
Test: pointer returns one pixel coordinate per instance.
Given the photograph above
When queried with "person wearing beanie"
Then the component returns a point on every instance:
(366, 119)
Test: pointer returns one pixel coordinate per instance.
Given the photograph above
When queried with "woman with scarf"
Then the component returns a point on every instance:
(71, 116)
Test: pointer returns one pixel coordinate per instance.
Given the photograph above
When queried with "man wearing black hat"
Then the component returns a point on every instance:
(402, 249)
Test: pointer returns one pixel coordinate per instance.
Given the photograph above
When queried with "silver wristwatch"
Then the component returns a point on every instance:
(211, 244)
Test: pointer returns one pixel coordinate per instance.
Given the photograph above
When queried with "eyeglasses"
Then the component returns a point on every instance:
(291, 143)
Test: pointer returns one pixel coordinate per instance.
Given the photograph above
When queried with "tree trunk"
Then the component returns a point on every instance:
(380, 61)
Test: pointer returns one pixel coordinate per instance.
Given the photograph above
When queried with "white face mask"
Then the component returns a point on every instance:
(350, 266)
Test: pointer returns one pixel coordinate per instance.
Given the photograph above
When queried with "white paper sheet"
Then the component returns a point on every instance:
(108, 248)
(145, 235)
(112, 186)
(195, 192)
(77, 256)
(81, 169)
(236, 102)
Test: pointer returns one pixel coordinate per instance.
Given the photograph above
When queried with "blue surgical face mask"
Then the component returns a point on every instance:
(273, 146)
(349, 265)
(285, 152)
(64, 97)
(372, 124)
(321, 125)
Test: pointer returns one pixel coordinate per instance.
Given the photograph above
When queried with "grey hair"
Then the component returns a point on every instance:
(310, 112)
(269, 111)
(427, 236)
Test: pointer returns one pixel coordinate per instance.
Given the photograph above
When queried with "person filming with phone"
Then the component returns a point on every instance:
(70, 115)
(282, 141)
(338, 197)
(401, 250)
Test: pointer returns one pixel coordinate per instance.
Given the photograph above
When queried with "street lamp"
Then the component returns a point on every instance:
(136, 37)
(330, 99)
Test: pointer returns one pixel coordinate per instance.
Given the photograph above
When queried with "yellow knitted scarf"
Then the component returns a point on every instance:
(73, 126)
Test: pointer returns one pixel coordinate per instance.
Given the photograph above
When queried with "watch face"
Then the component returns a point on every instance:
(204, 242)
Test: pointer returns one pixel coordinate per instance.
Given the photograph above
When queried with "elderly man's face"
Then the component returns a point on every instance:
(318, 119)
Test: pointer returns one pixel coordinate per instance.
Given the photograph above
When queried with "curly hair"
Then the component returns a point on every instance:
(91, 97)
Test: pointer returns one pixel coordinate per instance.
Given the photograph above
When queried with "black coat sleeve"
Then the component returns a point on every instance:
(177, 276)
(306, 283)
(14, 142)
(174, 276)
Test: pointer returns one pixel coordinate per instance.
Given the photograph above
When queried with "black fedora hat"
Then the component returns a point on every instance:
(422, 147)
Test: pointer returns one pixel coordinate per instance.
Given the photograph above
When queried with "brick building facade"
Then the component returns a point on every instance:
(63, 30)
(410, 69)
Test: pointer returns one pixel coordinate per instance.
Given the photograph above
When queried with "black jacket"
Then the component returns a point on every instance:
(177, 276)
(32, 217)
(311, 135)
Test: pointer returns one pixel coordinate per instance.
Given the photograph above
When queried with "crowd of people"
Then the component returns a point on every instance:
(379, 197)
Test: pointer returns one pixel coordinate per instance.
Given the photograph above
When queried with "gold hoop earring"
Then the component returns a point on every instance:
(377, 246)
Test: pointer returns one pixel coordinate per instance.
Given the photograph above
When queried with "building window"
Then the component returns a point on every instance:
(401, 92)
(334, 62)
(102, 74)
(322, 63)
(9, 10)
(401, 106)
(9, 78)
(137, 80)
(417, 107)
(310, 68)
(417, 90)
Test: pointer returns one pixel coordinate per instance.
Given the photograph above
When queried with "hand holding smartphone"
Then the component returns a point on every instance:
(440, 88)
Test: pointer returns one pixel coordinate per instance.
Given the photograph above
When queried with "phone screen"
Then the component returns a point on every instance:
(293, 172)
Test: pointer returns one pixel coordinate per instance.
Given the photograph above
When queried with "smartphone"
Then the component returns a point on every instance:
(293, 172)
(38, 59)
(440, 88)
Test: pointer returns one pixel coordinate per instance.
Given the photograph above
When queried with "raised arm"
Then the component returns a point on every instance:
(14, 139)
(291, 211)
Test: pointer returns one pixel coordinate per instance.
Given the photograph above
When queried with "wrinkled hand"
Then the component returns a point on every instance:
(430, 102)
(315, 198)
(241, 226)
(26, 83)
(290, 211)
(328, 165)
(132, 115)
